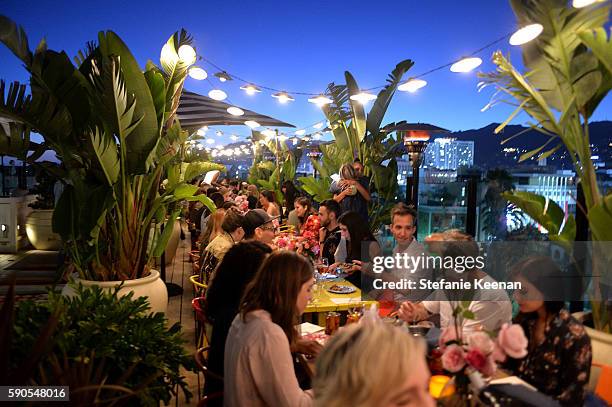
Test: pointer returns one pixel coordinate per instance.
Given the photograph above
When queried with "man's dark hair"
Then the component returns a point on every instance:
(332, 206)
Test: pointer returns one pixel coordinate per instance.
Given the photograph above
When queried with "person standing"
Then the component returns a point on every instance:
(329, 234)
(351, 192)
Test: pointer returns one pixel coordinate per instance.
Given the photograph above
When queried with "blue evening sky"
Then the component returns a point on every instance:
(299, 46)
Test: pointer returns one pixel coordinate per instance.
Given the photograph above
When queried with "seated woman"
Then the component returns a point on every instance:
(258, 363)
(491, 308)
(308, 219)
(357, 246)
(558, 361)
(267, 199)
(235, 271)
(232, 231)
(372, 364)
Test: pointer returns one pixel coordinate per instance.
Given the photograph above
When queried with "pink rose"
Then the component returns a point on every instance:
(476, 359)
(448, 335)
(512, 341)
(482, 341)
(452, 358)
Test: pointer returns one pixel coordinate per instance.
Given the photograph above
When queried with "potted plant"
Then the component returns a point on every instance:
(569, 73)
(108, 350)
(39, 227)
(113, 126)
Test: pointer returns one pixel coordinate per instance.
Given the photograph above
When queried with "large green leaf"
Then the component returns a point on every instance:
(358, 119)
(601, 45)
(144, 137)
(15, 39)
(108, 157)
(600, 219)
(547, 213)
(317, 188)
(379, 109)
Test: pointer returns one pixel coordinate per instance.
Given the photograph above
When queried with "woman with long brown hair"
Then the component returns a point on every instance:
(258, 364)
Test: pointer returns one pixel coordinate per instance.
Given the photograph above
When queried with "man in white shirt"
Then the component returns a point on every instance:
(490, 308)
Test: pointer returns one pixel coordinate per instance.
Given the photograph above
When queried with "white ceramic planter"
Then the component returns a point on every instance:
(39, 229)
(151, 286)
(601, 343)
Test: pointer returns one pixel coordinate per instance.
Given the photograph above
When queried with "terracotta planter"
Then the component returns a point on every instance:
(150, 286)
(40, 230)
(601, 343)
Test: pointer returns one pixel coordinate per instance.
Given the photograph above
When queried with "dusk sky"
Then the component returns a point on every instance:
(299, 46)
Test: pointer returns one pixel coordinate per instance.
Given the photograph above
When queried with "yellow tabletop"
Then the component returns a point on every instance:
(323, 300)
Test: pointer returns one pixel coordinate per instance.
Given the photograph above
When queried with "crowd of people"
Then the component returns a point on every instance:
(256, 295)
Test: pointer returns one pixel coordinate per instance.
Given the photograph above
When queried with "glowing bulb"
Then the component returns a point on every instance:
(282, 137)
(363, 97)
(223, 76)
(210, 141)
(234, 137)
(197, 73)
(582, 3)
(320, 100)
(202, 131)
(412, 85)
(168, 54)
(217, 94)
(526, 34)
(187, 54)
(283, 97)
(235, 111)
(250, 89)
(219, 133)
(466, 64)
(294, 140)
(300, 132)
(252, 124)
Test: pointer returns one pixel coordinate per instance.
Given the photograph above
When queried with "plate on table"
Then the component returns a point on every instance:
(341, 289)
(327, 276)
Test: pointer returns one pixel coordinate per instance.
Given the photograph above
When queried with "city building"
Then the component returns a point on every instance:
(448, 153)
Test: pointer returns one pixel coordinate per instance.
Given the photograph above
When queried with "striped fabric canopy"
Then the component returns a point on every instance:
(196, 111)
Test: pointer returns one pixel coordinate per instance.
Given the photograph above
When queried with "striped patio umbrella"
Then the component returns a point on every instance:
(196, 111)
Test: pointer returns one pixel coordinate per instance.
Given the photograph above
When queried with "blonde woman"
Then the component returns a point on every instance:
(372, 364)
(351, 192)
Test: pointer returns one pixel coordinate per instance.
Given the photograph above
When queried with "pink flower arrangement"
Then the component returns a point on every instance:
(242, 203)
(480, 352)
(306, 245)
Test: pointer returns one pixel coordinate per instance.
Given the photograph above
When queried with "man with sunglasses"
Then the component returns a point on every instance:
(258, 225)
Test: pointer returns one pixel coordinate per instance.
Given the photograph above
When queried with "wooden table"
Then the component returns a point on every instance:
(323, 301)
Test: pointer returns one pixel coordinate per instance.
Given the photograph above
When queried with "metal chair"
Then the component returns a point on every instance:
(199, 288)
(201, 360)
(203, 324)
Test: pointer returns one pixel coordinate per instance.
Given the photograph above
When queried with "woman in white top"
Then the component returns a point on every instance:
(258, 363)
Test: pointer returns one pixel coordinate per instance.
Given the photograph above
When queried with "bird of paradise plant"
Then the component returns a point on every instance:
(114, 128)
(569, 72)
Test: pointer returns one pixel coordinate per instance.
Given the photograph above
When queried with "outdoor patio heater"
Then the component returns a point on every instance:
(416, 137)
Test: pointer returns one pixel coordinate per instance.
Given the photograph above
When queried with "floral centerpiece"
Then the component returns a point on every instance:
(306, 244)
(242, 203)
(471, 357)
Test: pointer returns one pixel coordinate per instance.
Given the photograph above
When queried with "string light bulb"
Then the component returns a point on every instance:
(210, 141)
(202, 131)
(217, 94)
(283, 97)
(320, 100)
(583, 3)
(466, 64)
(187, 54)
(412, 85)
(318, 125)
(235, 111)
(252, 124)
(300, 132)
(363, 97)
(268, 133)
(525, 34)
(250, 89)
(234, 137)
(197, 73)
(223, 76)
